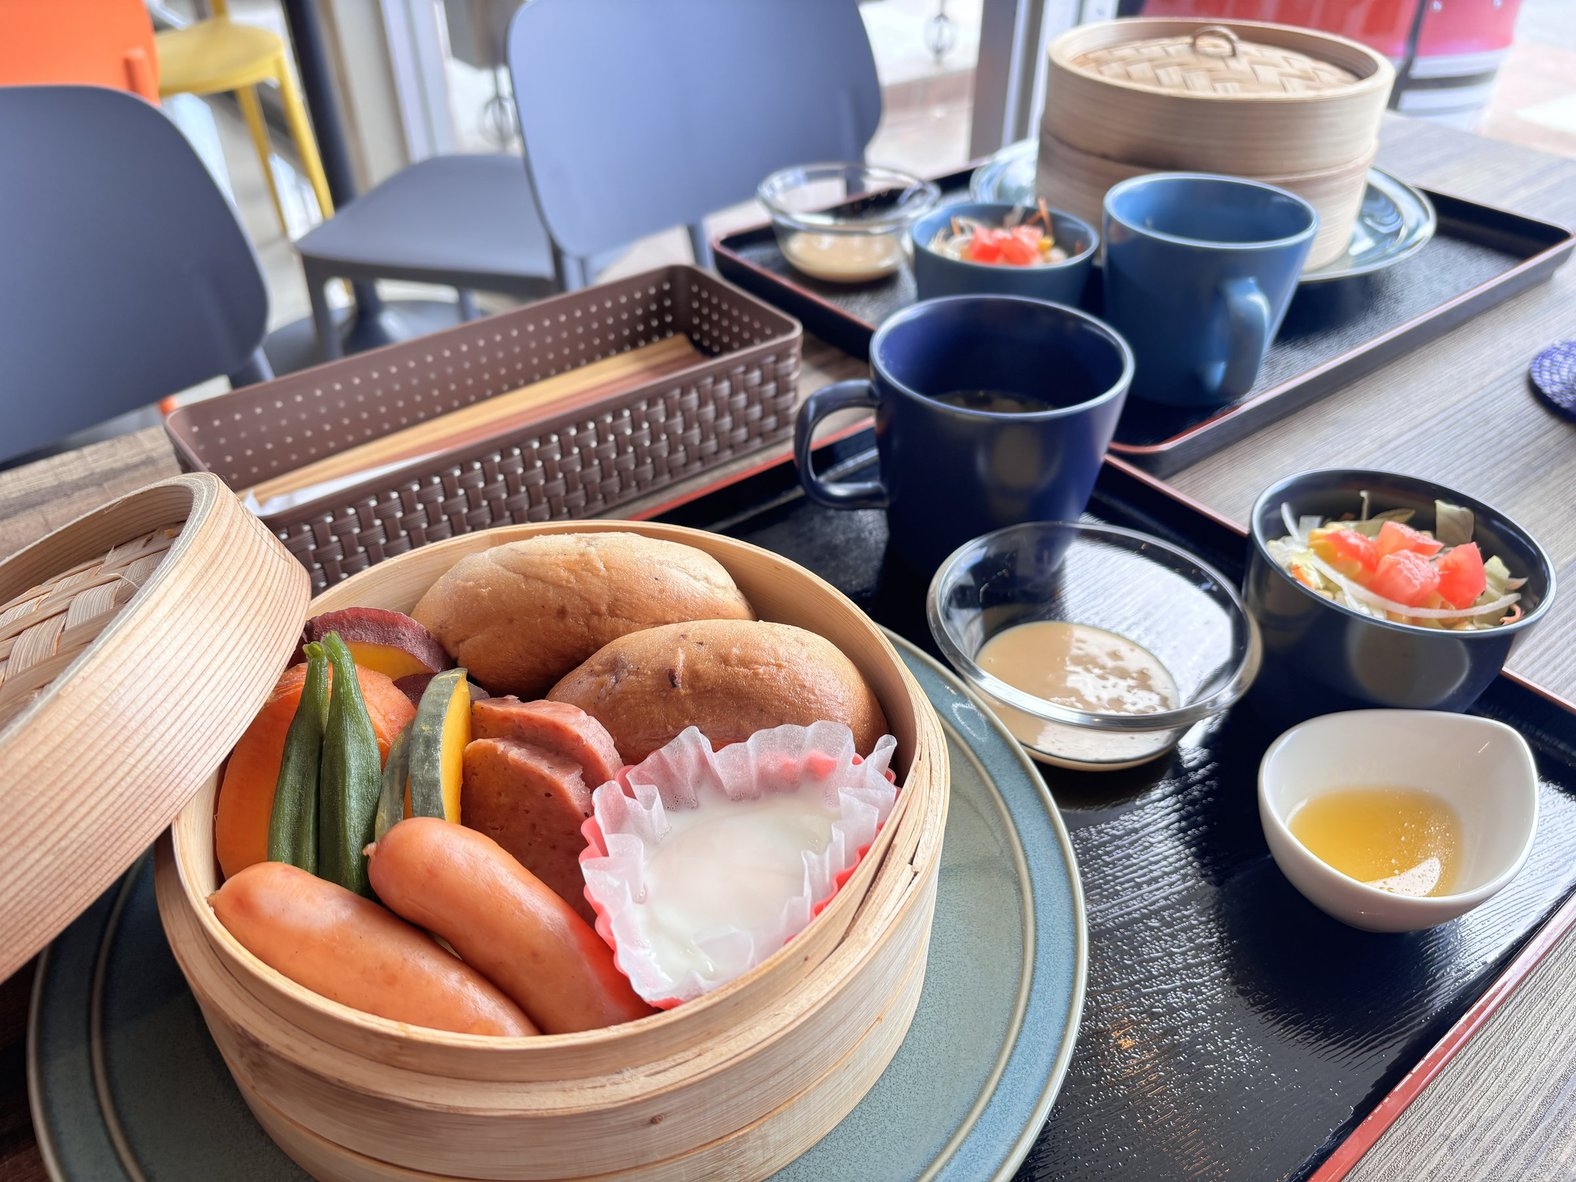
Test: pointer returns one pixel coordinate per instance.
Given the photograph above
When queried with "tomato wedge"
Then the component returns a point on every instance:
(1018, 251)
(1405, 577)
(1017, 247)
(1395, 537)
(1348, 551)
(985, 246)
(1461, 577)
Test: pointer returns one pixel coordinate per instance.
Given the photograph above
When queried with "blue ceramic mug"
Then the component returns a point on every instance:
(990, 410)
(1199, 271)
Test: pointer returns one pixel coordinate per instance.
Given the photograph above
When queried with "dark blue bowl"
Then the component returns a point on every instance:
(1321, 657)
(1061, 283)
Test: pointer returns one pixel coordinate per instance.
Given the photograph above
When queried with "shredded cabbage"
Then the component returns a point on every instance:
(1454, 525)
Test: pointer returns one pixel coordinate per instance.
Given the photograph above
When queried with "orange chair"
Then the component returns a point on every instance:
(92, 42)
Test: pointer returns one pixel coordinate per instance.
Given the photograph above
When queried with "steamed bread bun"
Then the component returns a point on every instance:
(730, 678)
(521, 615)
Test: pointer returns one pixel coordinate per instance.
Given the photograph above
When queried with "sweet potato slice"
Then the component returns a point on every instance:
(390, 642)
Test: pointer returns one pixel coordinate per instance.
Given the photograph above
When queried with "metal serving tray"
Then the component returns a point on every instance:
(1335, 331)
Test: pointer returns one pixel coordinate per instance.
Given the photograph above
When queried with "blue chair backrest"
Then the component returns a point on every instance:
(124, 276)
(640, 115)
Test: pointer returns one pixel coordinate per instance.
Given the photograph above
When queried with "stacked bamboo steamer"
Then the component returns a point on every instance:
(1292, 107)
(733, 1085)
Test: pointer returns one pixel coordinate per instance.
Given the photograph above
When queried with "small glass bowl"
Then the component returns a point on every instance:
(845, 223)
(1181, 610)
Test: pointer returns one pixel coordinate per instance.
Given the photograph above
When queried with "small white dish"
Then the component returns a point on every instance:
(1482, 769)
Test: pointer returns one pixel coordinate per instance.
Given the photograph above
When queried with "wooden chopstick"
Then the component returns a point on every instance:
(491, 416)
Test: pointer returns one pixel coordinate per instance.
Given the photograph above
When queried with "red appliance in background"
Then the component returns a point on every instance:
(1446, 52)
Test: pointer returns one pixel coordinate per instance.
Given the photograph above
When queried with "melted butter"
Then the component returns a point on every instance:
(1085, 668)
(727, 864)
(1402, 840)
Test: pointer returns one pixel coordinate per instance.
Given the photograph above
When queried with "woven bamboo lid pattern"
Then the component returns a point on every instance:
(136, 643)
(1214, 61)
(43, 629)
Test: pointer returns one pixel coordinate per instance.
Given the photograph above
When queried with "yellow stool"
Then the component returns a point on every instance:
(216, 56)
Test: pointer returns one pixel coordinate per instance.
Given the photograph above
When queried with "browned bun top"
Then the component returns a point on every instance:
(521, 615)
(730, 678)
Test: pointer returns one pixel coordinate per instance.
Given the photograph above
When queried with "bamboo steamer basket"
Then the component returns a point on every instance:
(1244, 98)
(735, 1084)
(1287, 106)
(1074, 180)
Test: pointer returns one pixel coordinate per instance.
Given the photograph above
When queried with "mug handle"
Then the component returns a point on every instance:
(857, 494)
(1247, 334)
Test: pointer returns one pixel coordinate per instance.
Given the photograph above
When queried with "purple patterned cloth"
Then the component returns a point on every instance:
(1554, 376)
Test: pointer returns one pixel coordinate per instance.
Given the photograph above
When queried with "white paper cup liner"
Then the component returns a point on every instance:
(689, 902)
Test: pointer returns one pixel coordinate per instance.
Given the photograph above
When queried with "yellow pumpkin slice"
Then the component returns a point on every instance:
(438, 735)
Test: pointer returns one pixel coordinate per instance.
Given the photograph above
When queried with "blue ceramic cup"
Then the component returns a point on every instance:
(936, 274)
(990, 410)
(1199, 271)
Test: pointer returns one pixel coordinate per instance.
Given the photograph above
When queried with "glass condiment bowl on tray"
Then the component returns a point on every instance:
(845, 223)
(1098, 646)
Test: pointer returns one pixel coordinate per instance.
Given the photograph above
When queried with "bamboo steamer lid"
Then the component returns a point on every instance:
(1244, 98)
(136, 644)
(1214, 61)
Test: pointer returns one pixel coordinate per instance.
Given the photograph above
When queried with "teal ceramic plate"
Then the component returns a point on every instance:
(1394, 222)
(127, 1086)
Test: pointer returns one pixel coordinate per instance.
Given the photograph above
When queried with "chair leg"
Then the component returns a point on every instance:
(253, 370)
(252, 112)
(700, 245)
(329, 346)
(467, 303)
(570, 271)
(301, 132)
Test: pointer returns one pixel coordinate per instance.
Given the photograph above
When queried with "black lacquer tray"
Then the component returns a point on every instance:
(1334, 332)
(1231, 1030)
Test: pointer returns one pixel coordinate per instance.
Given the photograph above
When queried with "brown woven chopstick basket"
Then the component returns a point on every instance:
(577, 463)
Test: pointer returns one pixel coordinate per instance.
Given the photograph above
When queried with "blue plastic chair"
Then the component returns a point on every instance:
(124, 274)
(636, 117)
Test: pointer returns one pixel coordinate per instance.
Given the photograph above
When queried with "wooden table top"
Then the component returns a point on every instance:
(1459, 411)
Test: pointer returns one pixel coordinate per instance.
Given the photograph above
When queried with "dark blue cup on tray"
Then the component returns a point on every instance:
(1199, 272)
(1321, 656)
(990, 410)
(938, 274)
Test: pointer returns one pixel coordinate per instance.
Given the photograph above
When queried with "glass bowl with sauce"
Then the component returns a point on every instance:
(1098, 647)
(845, 223)
(1396, 820)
